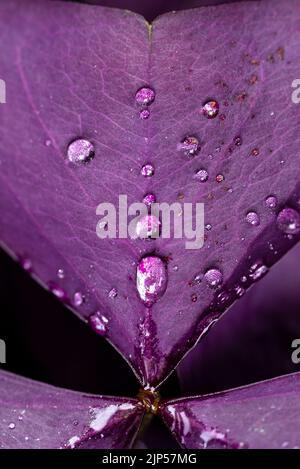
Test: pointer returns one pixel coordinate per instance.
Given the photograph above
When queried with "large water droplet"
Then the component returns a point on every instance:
(288, 221)
(147, 170)
(213, 277)
(253, 218)
(11, 426)
(151, 279)
(271, 201)
(98, 322)
(210, 109)
(148, 227)
(190, 146)
(81, 151)
(145, 96)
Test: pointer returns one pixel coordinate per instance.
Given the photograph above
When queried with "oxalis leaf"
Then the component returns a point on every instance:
(262, 415)
(72, 71)
(35, 415)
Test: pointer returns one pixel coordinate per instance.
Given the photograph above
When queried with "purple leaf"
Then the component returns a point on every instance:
(263, 415)
(35, 415)
(80, 82)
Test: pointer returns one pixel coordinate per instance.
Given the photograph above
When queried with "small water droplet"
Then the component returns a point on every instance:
(194, 298)
(26, 264)
(238, 141)
(175, 268)
(149, 199)
(48, 143)
(81, 151)
(208, 227)
(145, 96)
(257, 270)
(220, 178)
(151, 279)
(210, 109)
(190, 146)
(57, 291)
(213, 277)
(11, 426)
(271, 201)
(144, 114)
(148, 226)
(98, 322)
(113, 293)
(239, 291)
(288, 221)
(78, 298)
(253, 218)
(201, 175)
(60, 273)
(255, 152)
(147, 170)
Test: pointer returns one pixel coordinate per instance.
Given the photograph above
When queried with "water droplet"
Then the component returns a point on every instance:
(145, 96)
(57, 291)
(148, 227)
(48, 143)
(194, 298)
(98, 322)
(220, 178)
(201, 175)
(147, 170)
(210, 109)
(190, 146)
(213, 277)
(151, 279)
(257, 270)
(252, 218)
(255, 152)
(26, 264)
(113, 293)
(11, 426)
(81, 151)
(144, 114)
(60, 273)
(78, 298)
(149, 199)
(238, 141)
(175, 268)
(288, 221)
(239, 291)
(271, 201)
(208, 227)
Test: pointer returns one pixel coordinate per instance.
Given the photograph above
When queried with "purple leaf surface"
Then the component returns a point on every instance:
(263, 415)
(35, 415)
(72, 71)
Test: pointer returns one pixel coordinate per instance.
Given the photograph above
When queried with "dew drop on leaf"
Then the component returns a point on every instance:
(78, 298)
(201, 175)
(271, 201)
(60, 273)
(213, 277)
(190, 146)
(144, 114)
(149, 199)
(81, 151)
(145, 96)
(210, 109)
(147, 170)
(253, 218)
(57, 291)
(151, 279)
(148, 227)
(98, 322)
(288, 221)
(113, 293)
